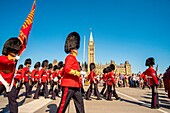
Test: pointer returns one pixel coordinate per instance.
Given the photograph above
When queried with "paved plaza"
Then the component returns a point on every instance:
(133, 100)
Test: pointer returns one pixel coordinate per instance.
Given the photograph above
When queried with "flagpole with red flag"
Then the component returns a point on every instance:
(23, 36)
(25, 29)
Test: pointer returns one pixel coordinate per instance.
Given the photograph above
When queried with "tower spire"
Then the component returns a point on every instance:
(91, 35)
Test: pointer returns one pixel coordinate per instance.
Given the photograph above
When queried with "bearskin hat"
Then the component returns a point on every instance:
(112, 67)
(45, 63)
(11, 45)
(27, 61)
(60, 65)
(72, 42)
(55, 67)
(150, 61)
(92, 66)
(37, 64)
(108, 69)
(20, 66)
(50, 66)
(104, 70)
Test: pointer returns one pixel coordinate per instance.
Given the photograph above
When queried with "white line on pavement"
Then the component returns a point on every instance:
(143, 103)
(33, 106)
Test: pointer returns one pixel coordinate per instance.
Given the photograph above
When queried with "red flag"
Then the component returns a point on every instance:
(26, 28)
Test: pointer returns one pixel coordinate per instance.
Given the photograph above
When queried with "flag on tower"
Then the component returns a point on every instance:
(26, 28)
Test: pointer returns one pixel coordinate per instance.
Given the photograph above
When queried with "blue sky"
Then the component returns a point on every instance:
(130, 30)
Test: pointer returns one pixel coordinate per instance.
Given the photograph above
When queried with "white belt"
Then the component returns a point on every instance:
(44, 75)
(36, 75)
(7, 86)
(149, 77)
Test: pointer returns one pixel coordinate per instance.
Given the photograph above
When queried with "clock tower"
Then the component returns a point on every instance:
(91, 51)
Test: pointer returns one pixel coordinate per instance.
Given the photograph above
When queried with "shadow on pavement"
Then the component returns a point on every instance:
(52, 108)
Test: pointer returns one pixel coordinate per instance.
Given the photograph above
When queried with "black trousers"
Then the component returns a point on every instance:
(89, 91)
(109, 88)
(114, 92)
(27, 88)
(38, 89)
(13, 106)
(104, 88)
(155, 101)
(69, 93)
(31, 86)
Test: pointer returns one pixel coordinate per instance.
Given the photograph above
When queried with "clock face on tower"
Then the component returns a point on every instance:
(91, 43)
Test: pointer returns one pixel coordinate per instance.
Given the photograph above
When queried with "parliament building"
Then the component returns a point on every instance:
(123, 68)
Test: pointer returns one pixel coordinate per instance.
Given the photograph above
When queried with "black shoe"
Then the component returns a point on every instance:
(99, 99)
(35, 98)
(28, 96)
(88, 99)
(118, 98)
(53, 98)
(46, 97)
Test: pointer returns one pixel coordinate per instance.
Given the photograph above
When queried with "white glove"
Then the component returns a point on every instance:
(17, 57)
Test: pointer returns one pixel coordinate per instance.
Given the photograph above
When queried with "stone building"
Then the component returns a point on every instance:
(123, 68)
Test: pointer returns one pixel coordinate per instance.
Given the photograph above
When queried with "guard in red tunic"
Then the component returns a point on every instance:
(93, 82)
(54, 90)
(34, 75)
(7, 69)
(150, 74)
(25, 76)
(111, 83)
(49, 75)
(70, 82)
(166, 79)
(18, 76)
(104, 78)
(42, 80)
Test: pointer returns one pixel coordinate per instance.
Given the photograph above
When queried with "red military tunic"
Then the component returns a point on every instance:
(49, 72)
(7, 69)
(18, 75)
(70, 80)
(54, 75)
(111, 78)
(150, 75)
(25, 74)
(104, 78)
(43, 76)
(166, 79)
(34, 75)
(92, 77)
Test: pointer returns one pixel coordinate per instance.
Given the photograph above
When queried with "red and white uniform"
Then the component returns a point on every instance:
(7, 69)
(92, 77)
(43, 76)
(111, 78)
(34, 75)
(18, 75)
(25, 74)
(150, 75)
(49, 72)
(55, 76)
(70, 80)
(104, 78)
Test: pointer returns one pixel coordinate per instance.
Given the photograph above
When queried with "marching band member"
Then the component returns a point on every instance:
(34, 75)
(25, 76)
(8, 61)
(70, 82)
(150, 74)
(104, 78)
(93, 81)
(42, 80)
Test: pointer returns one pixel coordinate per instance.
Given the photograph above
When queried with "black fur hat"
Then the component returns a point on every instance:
(45, 63)
(27, 61)
(108, 69)
(60, 65)
(112, 67)
(50, 66)
(20, 66)
(104, 70)
(37, 64)
(72, 42)
(11, 45)
(92, 66)
(150, 61)
(55, 67)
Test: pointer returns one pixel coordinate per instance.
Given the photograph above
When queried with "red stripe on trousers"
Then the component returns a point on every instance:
(63, 100)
